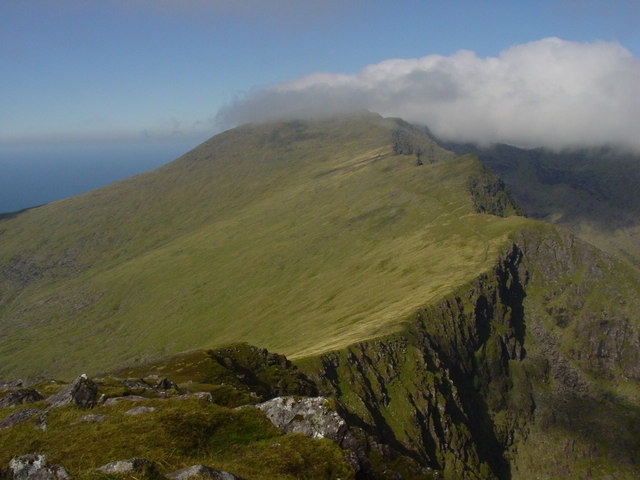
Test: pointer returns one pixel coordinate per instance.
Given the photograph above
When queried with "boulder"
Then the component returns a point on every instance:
(310, 416)
(316, 417)
(135, 465)
(20, 397)
(35, 467)
(82, 392)
(17, 417)
(166, 384)
(201, 471)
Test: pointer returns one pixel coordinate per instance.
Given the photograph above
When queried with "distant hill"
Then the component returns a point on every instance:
(594, 192)
(458, 336)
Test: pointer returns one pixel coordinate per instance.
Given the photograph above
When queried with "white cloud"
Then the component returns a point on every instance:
(551, 92)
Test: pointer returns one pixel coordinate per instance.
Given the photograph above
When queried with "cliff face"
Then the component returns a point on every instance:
(527, 362)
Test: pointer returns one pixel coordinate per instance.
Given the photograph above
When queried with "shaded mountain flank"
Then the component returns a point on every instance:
(431, 332)
(593, 192)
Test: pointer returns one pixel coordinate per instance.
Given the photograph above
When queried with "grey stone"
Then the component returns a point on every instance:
(201, 471)
(9, 386)
(131, 465)
(315, 417)
(82, 392)
(17, 417)
(166, 384)
(137, 384)
(139, 410)
(93, 418)
(35, 467)
(20, 397)
(128, 398)
(310, 416)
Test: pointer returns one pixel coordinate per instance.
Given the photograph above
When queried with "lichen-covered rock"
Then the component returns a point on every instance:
(35, 467)
(310, 416)
(82, 392)
(20, 397)
(201, 471)
(315, 417)
(18, 417)
(132, 465)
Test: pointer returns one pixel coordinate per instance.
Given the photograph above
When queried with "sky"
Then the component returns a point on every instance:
(531, 73)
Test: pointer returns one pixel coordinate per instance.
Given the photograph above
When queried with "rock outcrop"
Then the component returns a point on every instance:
(82, 392)
(20, 397)
(315, 417)
(18, 417)
(310, 416)
(35, 467)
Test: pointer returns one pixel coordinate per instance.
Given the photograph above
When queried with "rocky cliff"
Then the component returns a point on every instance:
(526, 362)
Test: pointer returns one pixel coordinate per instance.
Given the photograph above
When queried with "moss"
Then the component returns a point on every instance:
(177, 434)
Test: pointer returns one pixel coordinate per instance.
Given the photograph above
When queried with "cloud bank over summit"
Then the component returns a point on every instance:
(551, 93)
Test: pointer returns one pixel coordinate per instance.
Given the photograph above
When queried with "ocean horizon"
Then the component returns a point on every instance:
(33, 175)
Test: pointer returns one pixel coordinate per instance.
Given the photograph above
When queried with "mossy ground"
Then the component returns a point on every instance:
(177, 434)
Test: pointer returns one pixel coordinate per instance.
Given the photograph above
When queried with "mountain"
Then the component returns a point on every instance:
(457, 338)
(593, 192)
(299, 237)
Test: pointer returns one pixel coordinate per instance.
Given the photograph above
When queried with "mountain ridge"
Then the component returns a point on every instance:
(461, 339)
(250, 225)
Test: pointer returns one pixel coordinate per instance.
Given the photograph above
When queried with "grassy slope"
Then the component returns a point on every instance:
(299, 237)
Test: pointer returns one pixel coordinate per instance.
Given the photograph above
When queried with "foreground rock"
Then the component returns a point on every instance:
(82, 392)
(310, 416)
(201, 471)
(315, 417)
(35, 467)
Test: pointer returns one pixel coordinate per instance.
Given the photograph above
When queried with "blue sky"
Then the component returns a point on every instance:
(157, 70)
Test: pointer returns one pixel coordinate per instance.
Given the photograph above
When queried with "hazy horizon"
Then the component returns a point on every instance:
(32, 175)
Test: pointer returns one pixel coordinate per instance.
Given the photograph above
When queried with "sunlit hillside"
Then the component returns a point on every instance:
(300, 237)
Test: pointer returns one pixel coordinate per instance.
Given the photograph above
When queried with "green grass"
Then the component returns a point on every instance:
(177, 434)
(299, 237)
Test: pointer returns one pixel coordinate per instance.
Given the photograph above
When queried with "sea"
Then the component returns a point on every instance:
(32, 175)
